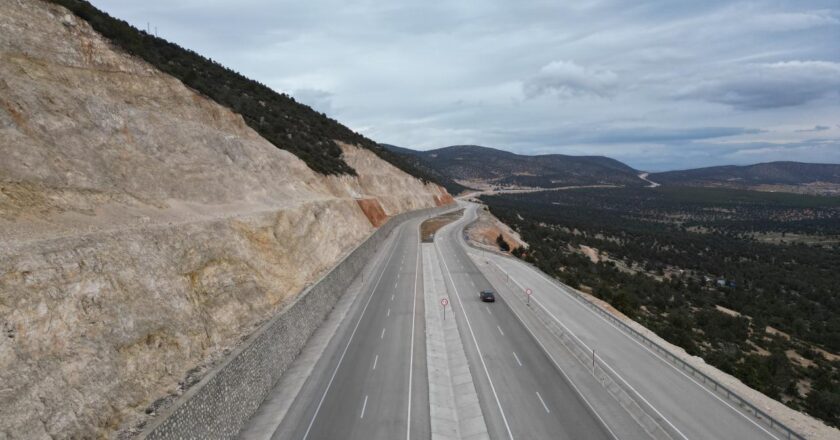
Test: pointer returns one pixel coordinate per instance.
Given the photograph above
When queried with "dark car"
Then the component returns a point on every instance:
(487, 296)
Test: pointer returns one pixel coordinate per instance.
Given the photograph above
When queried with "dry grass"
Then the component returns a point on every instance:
(429, 227)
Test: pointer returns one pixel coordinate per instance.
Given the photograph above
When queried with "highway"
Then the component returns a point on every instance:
(371, 380)
(691, 409)
(522, 394)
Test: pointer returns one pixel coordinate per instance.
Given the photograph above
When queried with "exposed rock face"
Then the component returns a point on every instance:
(143, 228)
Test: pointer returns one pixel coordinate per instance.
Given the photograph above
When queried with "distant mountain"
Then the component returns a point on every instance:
(477, 166)
(771, 176)
(415, 160)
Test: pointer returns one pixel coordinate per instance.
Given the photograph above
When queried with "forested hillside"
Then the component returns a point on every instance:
(747, 280)
(817, 178)
(474, 165)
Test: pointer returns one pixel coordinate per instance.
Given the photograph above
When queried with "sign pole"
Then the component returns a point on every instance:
(444, 302)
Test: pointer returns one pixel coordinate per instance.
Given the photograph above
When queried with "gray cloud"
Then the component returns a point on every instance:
(658, 83)
(566, 78)
(770, 85)
(319, 100)
(815, 129)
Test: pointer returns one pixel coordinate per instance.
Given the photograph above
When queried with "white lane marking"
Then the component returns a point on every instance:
(346, 347)
(475, 342)
(395, 285)
(471, 282)
(392, 297)
(543, 402)
(389, 312)
(488, 309)
(603, 363)
(375, 360)
(517, 359)
(364, 405)
(500, 330)
(382, 336)
(417, 270)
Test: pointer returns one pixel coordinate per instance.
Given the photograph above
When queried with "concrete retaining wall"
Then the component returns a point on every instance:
(220, 404)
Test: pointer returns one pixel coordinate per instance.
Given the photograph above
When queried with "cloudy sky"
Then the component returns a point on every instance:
(659, 84)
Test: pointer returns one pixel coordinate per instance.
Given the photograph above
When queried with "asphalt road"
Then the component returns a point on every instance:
(522, 394)
(689, 407)
(371, 380)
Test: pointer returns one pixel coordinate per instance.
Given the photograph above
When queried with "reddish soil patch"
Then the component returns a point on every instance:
(445, 199)
(373, 210)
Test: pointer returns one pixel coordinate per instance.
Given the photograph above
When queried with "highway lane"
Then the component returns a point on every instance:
(522, 394)
(692, 409)
(371, 381)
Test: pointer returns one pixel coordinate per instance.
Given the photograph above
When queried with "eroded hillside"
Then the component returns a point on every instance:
(144, 229)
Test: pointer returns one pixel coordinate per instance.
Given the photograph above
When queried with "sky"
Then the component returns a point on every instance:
(658, 84)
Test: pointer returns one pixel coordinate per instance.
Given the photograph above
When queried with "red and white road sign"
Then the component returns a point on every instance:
(444, 302)
(528, 292)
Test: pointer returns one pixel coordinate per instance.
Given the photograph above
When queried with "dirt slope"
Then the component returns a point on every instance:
(144, 229)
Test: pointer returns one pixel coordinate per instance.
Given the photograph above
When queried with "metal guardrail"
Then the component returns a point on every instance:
(708, 381)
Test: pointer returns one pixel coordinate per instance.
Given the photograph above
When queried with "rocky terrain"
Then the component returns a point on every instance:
(145, 229)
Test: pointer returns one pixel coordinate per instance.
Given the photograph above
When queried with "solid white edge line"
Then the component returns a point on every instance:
(746, 417)
(411, 351)
(475, 341)
(352, 334)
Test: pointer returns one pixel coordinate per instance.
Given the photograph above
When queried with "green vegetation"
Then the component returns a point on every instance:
(685, 263)
(277, 117)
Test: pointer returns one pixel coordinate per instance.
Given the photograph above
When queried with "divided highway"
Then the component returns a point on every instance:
(371, 380)
(692, 410)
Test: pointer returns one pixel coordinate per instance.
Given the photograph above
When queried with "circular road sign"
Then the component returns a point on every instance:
(444, 302)
(528, 292)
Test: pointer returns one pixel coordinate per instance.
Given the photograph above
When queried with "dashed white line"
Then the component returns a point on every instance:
(475, 342)
(389, 313)
(346, 347)
(500, 330)
(543, 402)
(364, 405)
(382, 336)
(392, 297)
(517, 359)
(375, 360)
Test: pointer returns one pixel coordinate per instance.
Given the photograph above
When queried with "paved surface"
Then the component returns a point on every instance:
(522, 394)
(691, 409)
(454, 408)
(371, 379)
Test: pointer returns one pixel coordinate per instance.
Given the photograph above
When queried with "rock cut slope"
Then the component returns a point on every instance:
(145, 229)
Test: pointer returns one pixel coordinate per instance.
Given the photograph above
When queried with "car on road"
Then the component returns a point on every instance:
(487, 296)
